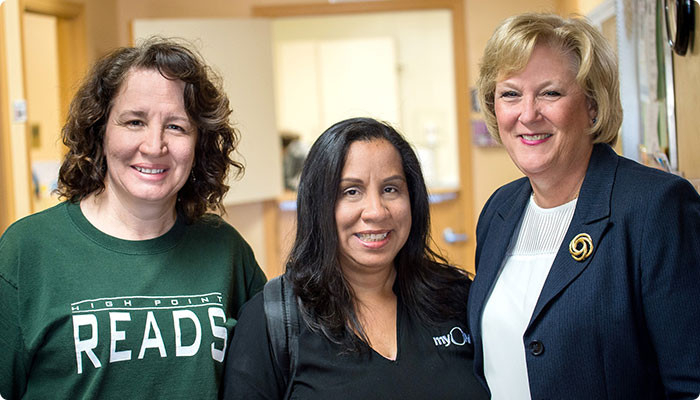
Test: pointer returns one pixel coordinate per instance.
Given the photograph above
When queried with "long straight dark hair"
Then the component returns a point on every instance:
(430, 289)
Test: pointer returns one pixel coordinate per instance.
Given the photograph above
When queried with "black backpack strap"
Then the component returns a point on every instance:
(282, 317)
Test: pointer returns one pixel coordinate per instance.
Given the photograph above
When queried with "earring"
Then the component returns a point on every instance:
(594, 120)
(192, 176)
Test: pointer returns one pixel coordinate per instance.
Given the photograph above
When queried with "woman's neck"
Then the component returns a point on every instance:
(549, 196)
(370, 284)
(554, 190)
(375, 305)
(124, 220)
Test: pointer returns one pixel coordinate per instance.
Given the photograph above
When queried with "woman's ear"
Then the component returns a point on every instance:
(592, 110)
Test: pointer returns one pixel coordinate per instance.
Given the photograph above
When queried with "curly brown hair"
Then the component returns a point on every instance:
(84, 168)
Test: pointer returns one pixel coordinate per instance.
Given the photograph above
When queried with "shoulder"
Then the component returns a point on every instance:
(502, 196)
(253, 311)
(214, 222)
(36, 223)
(27, 236)
(38, 227)
(507, 191)
(251, 326)
(638, 186)
(215, 239)
(631, 172)
(213, 228)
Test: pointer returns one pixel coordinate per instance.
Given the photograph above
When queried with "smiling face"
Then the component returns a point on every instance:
(544, 116)
(149, 141)
(373, 210)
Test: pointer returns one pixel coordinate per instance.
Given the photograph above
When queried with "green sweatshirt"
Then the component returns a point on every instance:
(86, 315)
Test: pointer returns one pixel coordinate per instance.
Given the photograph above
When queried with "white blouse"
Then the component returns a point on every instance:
(513, 297)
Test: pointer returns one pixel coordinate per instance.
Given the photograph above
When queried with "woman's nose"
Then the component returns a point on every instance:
(154, 141)
(529, 111)
(374, 207)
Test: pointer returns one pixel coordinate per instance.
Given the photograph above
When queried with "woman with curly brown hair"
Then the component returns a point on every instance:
(130, 288)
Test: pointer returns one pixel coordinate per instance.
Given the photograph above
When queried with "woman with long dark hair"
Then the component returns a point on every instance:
(382, 315)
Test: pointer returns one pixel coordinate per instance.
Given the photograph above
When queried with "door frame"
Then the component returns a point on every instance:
(72, 43)
(16, 200)
(72, 58)
(7, 203)
(15, 178)
(459, 43)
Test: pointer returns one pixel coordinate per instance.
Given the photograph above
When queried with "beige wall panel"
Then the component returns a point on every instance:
(129, 10)
(247, 219)
(582, 7)
(586, 6)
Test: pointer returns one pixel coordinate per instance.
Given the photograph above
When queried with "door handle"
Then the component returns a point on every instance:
(451, 237)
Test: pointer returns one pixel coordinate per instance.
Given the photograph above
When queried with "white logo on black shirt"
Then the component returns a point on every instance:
(456, 337)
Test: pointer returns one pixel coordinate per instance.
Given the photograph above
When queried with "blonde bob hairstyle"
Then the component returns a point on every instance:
(508, 51)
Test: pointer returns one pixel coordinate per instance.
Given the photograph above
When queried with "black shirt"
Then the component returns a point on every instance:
(432, 362)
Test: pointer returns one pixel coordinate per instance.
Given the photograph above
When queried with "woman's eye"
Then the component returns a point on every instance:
(391, 189)
(552, 93)
(508, 93)
(135, 122)
(175, 127)
(351, 192)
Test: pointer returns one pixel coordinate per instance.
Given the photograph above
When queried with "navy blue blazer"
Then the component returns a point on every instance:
(625, 322)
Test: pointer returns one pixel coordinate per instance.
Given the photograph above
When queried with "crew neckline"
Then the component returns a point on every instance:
(559, 208)
(159, 244)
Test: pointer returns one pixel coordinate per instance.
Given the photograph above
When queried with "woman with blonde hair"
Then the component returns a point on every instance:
(587, 271)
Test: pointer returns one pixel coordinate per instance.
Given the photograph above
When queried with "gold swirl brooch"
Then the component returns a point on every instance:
(581, 247)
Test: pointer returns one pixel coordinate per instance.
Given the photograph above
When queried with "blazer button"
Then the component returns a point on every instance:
(536, 347)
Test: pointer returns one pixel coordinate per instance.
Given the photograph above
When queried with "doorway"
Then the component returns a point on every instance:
(54, 47)
(451, 209)
(43, 106)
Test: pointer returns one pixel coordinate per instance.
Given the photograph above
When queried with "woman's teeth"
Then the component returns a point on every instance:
(372, 237)
(149, 170)
(536, 137)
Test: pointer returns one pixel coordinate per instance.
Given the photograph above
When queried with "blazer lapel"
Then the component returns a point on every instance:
(495, 245)
(591, 216)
